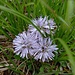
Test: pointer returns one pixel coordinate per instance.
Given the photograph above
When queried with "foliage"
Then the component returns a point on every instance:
(16, 15)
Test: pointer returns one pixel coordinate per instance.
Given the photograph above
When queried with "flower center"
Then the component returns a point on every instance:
(43, 49)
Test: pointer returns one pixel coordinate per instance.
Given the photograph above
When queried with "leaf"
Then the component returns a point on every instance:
(71, 59)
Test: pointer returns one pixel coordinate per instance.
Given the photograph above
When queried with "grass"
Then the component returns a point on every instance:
(15, 16)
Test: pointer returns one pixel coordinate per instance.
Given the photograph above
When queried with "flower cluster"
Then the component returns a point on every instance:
(31, 42)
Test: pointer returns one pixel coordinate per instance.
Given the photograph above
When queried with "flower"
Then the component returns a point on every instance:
(45, 51)
(24, 43)
(32, 43)
(45, 25)
(40, 48)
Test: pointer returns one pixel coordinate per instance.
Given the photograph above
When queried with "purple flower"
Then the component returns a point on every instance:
(45, 51)
(40, 48)
(24, 43)
(31, 43)
(45, 25)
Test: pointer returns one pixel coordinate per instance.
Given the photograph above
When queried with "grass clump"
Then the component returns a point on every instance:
(17, 15)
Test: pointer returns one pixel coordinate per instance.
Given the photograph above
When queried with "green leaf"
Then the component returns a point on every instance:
(68, 51)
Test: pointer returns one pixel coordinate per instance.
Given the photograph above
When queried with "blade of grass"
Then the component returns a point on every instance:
(71, 60)
(8, 27)
(5, 33)
(14, 68)
(53, 12)
(69, 11)
(25, 18)
(8, 56)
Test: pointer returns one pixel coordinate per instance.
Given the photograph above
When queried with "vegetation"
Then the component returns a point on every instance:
(16, 15)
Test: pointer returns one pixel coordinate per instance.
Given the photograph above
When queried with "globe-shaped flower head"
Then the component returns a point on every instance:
(45, 25)
(45, 51)
(24, 43)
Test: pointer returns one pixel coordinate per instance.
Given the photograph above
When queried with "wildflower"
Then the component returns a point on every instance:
(45, 25)
(31, 43)
(23, 44)
(46, 50)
